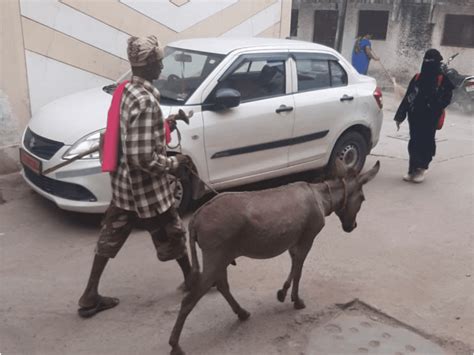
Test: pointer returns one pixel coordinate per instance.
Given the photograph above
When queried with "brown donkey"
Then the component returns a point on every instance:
(262, 225)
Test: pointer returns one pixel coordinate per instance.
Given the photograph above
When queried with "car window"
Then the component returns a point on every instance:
(256, 79)
(312, 74)
(338, 74)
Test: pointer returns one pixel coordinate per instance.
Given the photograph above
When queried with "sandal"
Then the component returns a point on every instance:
(103, 304)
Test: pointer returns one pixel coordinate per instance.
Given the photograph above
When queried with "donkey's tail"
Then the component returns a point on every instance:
(194, 258)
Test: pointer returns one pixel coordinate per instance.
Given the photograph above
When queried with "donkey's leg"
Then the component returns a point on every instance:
(205, 282)
(281, 294)
(223, 288)
(301, 251)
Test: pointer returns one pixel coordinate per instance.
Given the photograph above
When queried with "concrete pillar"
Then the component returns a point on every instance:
(14, 99)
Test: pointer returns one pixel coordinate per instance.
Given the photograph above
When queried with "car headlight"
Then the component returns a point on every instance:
(83, 145)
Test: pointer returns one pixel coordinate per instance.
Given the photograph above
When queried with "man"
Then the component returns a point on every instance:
(141, 193)
(362, 54)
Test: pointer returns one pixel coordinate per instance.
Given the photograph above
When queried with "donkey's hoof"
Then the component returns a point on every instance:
(281, 295)
(243, 315)
(176, 350)
(299, 304)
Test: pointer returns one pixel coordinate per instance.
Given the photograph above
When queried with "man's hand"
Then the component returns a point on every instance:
(171, 122)
(180, 116)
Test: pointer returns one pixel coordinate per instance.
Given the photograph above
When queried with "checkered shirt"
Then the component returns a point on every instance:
(140, 182)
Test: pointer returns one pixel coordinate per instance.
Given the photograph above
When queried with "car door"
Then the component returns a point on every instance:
(323, 101)
(251, 138)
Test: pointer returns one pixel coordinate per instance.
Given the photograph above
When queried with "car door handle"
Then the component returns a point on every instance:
(284, 108)
(346, 98)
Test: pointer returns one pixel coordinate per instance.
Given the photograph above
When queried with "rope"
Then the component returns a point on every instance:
(189, 168)
(205, 183)
(178, 145)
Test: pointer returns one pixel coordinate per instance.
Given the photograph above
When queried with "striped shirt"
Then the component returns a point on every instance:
(140, 182)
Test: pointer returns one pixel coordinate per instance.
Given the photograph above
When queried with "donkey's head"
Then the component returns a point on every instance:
(353, 196)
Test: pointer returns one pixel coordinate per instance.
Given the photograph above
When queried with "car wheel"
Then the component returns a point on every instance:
(182, 193)
(351, 149)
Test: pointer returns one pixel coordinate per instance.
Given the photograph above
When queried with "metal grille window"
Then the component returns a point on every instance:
(374, 23)
(458, 31)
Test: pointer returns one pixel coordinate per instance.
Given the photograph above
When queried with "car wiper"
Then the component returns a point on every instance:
(171, 99)
(109, 89)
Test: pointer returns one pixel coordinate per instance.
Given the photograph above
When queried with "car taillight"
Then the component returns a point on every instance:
(378, 97)
(469, 83)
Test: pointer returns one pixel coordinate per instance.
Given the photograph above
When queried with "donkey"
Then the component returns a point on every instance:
(262, 225)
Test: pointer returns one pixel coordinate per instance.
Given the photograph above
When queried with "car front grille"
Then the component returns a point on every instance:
(42, 147)
(58, 188)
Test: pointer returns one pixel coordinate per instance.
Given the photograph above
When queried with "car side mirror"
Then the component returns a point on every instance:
(226, 98)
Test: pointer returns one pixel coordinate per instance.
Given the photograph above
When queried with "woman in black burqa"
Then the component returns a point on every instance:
(427, 96)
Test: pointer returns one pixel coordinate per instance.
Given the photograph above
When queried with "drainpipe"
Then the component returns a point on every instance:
(341, 20)
(396, 10)
(432, 6)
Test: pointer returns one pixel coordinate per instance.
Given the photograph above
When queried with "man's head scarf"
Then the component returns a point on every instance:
(141, 49)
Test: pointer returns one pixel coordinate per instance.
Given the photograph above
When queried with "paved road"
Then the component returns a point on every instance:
(411, 256)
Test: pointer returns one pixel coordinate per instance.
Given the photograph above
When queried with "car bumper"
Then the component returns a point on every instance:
(79, 186)
(376, 128)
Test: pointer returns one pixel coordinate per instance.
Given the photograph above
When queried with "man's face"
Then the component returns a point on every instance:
(155, 66)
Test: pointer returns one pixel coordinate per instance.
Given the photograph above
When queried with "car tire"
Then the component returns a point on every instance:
(182, 193)
(351, 148)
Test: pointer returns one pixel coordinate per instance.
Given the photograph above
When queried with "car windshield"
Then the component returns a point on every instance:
(183, 72)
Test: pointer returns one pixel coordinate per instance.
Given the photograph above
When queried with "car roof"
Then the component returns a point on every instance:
(225, 45)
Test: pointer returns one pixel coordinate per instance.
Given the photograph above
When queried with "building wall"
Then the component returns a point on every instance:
(411, 31)
(51, 48)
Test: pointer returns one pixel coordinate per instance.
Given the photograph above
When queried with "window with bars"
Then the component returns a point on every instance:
(374, 23)
(458, 31)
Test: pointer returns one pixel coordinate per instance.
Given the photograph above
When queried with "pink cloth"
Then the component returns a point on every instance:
(112, 132)
(167, 132)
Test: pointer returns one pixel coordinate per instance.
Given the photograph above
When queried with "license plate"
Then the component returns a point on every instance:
(30, 162)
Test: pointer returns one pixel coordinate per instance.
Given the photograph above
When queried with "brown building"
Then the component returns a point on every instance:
(402, 30)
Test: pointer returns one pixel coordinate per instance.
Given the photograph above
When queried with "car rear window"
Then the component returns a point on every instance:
(312, 74)
(316, 71)
(338, 74)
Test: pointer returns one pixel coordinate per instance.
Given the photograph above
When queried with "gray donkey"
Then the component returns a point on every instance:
(262, 225)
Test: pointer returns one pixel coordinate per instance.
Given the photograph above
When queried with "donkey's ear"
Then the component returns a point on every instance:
(340, 169)
(369, 175)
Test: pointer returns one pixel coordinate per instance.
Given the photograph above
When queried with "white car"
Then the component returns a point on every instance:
(262, 107)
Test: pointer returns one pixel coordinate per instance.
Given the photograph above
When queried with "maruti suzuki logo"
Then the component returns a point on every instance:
(32, 142)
